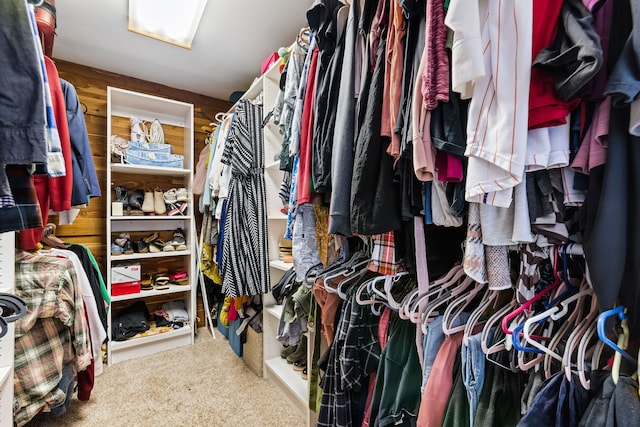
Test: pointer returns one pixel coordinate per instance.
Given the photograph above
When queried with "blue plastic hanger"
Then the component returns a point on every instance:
(620, 311)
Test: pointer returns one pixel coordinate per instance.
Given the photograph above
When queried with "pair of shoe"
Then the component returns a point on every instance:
(154, 202)
(157, 281)
(124, 242)
(300, 353)
(179, 242)
(180, 277)
(176, 200)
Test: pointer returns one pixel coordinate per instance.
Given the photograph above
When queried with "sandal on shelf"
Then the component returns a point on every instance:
(128, 247)
(180, 277)
(157, 246)
(140, 247)
(161, 281)
(151, 237)
(146, 283)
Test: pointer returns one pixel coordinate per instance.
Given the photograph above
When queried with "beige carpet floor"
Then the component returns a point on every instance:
(201, 385)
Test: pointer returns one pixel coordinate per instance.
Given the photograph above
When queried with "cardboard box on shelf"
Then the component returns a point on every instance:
(125, 273)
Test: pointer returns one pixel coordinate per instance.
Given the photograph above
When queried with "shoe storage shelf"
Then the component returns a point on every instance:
(275, 368)
(149, 230)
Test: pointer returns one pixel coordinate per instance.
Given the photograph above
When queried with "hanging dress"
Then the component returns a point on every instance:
(245, 264)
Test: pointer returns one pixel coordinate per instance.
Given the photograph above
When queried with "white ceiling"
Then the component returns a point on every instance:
(233, 38)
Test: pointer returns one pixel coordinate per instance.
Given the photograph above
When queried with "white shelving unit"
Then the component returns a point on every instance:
(7, 284)
(177, 123)
(276, 369)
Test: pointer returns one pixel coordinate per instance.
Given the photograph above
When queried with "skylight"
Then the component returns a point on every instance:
(170, 21)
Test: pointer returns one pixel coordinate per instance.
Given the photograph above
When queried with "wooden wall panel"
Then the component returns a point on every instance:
(91, 84)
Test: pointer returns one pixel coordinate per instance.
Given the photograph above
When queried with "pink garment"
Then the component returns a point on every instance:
(593, 150)
(423, 150)
(377, 25)
(395, 62)
(201, 171)
(440, 383)
(435, 78)
(449, 167)
(306, 134)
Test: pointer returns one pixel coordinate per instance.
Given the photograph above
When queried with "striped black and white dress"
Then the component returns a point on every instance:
(245, 263)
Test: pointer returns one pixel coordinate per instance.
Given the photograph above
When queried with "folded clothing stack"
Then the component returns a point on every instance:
(176, 311)
(285, 250)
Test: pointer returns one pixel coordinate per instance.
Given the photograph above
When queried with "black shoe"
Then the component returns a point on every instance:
(140, 247)
(128, 247)
(304, 373)
(136, 199)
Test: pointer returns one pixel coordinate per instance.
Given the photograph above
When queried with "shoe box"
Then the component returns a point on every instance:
(125, 288)
(125, 273)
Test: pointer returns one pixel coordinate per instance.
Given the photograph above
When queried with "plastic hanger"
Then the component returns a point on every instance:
(445, 298)
(413, 306)
(581, 356)
(525, 306)
(436, 289)
(493, 321)
(12, 307)
(619, 311)
(491, 296)
(392, 284)
(574, 339)
(623, 343)
(457, 307)
(555, 313)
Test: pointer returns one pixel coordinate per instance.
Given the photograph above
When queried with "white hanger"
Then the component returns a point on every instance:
(463, 301)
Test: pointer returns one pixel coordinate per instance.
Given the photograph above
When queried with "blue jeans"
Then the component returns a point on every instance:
(473, 361)
(432, 341)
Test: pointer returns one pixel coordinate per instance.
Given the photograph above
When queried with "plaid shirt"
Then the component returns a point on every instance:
(54, 332)
(354, 354)
(383, 255)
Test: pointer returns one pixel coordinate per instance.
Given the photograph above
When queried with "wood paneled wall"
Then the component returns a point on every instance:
(91, 84)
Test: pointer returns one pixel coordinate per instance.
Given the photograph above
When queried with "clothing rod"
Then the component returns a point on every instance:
(575, 249)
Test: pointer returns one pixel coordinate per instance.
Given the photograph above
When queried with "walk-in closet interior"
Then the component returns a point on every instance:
(331, 213)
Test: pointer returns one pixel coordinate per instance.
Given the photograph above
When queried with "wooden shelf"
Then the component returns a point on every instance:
(173, 289)
(148, 170)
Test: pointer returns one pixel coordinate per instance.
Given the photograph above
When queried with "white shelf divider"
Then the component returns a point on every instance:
(173, 289)
(280, 265)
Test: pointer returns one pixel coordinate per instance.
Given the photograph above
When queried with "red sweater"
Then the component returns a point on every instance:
(60, 187)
